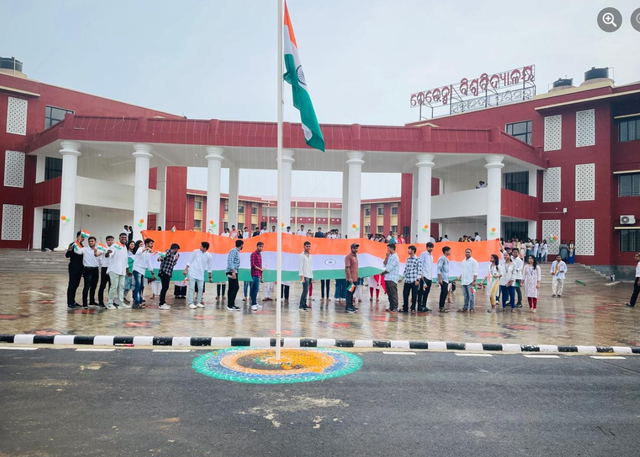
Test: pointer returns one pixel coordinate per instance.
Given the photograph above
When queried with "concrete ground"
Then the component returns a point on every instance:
(129, 402)
(591, 314)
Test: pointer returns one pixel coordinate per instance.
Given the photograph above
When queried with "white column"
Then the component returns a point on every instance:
(533, 183)
(70, 153)
(234, 176)
(214, 157)
(287, 167)
(37, 229)
(161, 185)
(532, 229)
(424, 164)
(494, 195)
(40, 168)
(141, 189)
(354, 198)
(345, 203)
(414, 208)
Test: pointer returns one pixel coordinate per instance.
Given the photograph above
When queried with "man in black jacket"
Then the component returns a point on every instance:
(74, 254)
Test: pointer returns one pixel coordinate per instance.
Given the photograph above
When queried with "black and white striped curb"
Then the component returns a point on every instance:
(186, 341)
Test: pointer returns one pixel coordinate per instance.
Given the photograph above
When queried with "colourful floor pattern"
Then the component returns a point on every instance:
(259, 366)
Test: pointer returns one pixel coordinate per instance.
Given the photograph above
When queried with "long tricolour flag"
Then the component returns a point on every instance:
(327, 255)
(301, 98)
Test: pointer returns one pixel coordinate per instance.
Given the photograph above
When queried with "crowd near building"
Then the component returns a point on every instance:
(562, 166)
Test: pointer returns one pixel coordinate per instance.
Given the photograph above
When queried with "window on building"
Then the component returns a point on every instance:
(367, 229)
(517, 182)
(197, 204)
(254, 210)
(52, 167)
(197, 224)
(367, 211)
(380, 210)
(629, 185)
(226, 208)
(241, 209)
(629, 240)
(520, 130)
(629, 130)
(380, 229)
(53, 115)
(394, 210)
(511, 230)
(394, 228)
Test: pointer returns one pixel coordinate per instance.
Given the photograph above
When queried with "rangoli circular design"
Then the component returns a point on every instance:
(259, 365)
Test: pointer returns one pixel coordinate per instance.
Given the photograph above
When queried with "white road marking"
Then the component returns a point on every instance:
(399, 353)
(463, 354)
(608, 357)
(171, 350)
(17, 348)
(535, 356)
(94, 350)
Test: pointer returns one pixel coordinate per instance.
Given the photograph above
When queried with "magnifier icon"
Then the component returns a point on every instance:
(609, 19)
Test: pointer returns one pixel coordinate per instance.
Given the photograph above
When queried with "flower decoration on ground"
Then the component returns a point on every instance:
(259, 365)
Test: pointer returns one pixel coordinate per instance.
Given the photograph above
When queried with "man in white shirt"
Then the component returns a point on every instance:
(558, 270)
(104, 276)
(141, 262)
(226, 233)
(198, 264)
(426, 259)
(288, 231)
(636, 284)
(301, 232)
(445, 238)
(518, 268)
(468, 278)
(117, 271)
(246, 234)
(305, 270)
(90, 273)
(478, 238)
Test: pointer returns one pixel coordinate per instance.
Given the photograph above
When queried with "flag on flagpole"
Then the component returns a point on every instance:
(301, 98)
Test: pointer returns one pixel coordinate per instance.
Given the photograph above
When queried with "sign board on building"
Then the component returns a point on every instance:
(487, 90)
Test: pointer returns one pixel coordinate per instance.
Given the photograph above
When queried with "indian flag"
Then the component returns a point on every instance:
(77, 246)
(101, 247)
(327, 255)
(295, 77)
(85, 233)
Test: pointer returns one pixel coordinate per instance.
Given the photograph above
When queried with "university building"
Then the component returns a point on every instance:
(564, 165)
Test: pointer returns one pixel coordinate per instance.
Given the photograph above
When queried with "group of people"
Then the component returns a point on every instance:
(121, 266)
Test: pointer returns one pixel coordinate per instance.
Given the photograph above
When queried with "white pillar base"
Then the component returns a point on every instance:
(424, 164)
(354, 197)
(494, 195)
(215, 157)
(143, 156)
(67, 234)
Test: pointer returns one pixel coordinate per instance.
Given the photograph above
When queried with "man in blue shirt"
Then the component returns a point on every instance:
(391, 275)
(443, 276)
(233, 268)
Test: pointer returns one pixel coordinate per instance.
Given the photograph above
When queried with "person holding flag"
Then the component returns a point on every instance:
(351, 275)
(117, 270)
(167, 263)
(468, 278)
(76, 268)
(412, 274)
(91, 271)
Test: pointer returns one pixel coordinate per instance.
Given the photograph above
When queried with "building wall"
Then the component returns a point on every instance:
(49, 95)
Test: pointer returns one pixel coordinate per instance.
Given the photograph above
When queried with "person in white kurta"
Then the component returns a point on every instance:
(532, 275)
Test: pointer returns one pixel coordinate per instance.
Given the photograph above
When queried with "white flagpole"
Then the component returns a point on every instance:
(280, 187)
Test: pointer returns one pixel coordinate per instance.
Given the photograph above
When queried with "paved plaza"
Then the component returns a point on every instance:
(585, 315)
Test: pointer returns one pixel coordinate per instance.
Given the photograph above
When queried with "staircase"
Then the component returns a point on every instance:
(38, 262)
(576, 272)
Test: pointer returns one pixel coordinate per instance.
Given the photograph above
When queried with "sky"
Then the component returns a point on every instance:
(362, 58)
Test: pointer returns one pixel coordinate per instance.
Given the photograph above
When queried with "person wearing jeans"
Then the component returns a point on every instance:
(412, 275)
(305, 271)
(468, 278)
(636, 284)
(442, 270)
(90, 255)
(256, 275)
(325, 284)
(104, 276)
(426, 261)
(507, 290)
(118, 268)
(198, 264)
(233, 267)
(167, 263)
(518, 267)
(141, 263)
(351, 276)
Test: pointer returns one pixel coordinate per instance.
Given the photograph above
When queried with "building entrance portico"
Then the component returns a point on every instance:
(128, 179)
